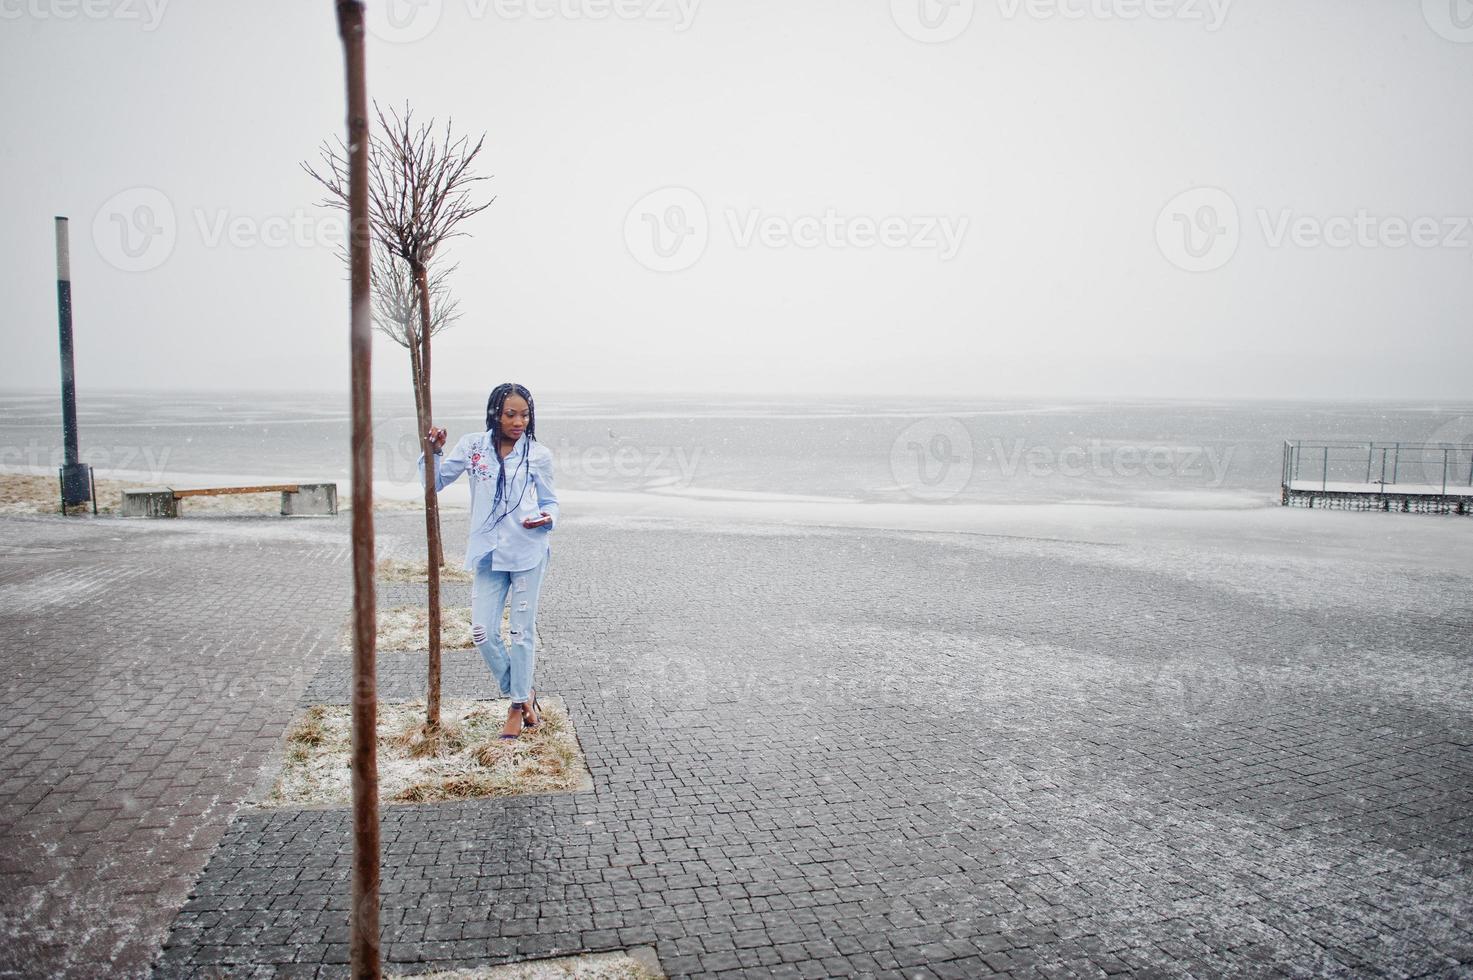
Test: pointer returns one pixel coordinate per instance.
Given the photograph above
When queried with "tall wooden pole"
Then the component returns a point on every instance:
(364, 921)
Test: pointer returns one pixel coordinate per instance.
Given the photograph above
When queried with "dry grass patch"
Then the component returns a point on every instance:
(417, 570)
(26, 494)
(594, 966)
(408, 628)
(464, 760)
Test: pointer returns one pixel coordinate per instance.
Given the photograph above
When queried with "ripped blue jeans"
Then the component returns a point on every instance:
(490, 594)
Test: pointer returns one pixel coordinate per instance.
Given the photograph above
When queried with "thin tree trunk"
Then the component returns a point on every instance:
(418, 384)
(416, 380)
(432, 504)
(364, 914)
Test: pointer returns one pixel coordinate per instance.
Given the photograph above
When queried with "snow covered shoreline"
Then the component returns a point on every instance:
(1227, 521)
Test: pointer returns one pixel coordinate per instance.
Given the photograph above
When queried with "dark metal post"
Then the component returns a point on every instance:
(76, 482)
(1444, 472)
(1370, 451)
(1325, 473)
(1395, 460)
(1383, 469)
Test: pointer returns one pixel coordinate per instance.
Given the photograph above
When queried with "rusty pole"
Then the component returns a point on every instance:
(364, 912)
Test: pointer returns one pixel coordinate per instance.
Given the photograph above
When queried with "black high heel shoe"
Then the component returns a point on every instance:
(537, 710)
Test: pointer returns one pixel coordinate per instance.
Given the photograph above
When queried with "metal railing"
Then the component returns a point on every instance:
(1430, 468)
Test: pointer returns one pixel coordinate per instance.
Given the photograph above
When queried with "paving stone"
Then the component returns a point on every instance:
(154, 665)
(988, 754)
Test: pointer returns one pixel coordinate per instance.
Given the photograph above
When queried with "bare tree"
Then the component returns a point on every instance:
(396, 314)
(421, 184)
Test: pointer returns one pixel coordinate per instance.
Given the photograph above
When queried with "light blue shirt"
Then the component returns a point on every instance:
(529, 490)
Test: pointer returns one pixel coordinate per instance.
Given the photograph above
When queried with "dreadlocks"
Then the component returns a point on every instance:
(494, 406)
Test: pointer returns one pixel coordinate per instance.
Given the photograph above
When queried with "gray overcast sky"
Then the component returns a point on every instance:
(1175, 198)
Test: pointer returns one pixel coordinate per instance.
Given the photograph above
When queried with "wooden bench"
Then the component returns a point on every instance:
(296, 498)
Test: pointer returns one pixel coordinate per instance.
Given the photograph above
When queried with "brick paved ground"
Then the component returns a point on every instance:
(834, 752)
(149, 667)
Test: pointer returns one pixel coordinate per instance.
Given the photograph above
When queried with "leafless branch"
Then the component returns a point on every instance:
(396, 302)
(421, 183)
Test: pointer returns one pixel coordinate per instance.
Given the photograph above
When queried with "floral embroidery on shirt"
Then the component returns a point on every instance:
(479, 467)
